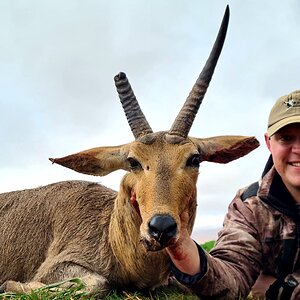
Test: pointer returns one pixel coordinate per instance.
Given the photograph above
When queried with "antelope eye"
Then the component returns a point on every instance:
(193, 161)
(133, 163)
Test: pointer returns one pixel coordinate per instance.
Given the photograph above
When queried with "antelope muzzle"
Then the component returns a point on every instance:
(162, 230)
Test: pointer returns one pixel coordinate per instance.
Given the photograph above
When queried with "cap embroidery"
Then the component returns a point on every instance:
(292, 103)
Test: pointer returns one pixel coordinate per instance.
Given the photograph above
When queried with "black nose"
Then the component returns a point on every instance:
(162, 228)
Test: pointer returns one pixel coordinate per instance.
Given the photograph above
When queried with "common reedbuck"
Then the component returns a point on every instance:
(114, 239)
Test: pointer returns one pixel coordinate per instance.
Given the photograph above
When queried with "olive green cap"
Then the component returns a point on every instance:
(285, 111)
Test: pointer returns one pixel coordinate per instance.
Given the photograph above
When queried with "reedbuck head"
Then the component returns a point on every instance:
(162, 167)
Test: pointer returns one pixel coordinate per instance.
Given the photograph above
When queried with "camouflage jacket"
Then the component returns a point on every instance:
(259, 222)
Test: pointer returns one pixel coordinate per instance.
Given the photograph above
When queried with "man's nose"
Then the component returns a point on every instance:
(296, 145)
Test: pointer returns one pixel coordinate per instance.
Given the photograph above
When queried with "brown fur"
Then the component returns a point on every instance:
(109, 239)
(82, 229)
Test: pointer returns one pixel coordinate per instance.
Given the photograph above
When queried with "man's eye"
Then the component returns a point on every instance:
(286, 138)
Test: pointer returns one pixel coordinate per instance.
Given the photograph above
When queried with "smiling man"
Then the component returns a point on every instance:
(258, 248)
(283, 141)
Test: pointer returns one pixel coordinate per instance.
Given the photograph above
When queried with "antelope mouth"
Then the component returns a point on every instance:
(153, 245)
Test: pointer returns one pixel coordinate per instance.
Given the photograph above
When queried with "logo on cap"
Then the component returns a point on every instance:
(292, 103)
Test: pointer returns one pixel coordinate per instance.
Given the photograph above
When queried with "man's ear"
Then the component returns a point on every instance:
(267, 140)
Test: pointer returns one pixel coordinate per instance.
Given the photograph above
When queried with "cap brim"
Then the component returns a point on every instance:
(278, 125)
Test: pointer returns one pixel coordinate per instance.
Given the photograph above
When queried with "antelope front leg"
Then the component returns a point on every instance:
(20, 288)
(94, 283)
(49, 272)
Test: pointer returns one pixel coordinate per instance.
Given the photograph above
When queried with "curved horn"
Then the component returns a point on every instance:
(135, 117)
(186, 116)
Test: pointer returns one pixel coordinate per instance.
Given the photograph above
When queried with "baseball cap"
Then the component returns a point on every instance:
(285, 111)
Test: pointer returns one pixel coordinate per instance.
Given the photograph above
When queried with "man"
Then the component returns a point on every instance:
(258, 247)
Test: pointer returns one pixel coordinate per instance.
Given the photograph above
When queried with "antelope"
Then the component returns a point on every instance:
(115, 239)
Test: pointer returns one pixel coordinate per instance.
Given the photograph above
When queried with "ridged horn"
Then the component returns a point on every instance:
(187, 114)
(135, 117)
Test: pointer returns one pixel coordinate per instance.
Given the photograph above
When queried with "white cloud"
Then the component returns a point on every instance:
(57, 95)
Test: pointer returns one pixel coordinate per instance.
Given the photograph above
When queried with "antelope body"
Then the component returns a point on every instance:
(114, 239)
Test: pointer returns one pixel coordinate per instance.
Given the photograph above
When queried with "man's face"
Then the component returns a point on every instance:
(284, 146)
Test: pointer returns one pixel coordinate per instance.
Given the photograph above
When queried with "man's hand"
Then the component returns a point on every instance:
(184, 252)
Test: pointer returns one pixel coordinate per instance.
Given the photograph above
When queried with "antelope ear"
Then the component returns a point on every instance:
(223, 149)
(96, 161)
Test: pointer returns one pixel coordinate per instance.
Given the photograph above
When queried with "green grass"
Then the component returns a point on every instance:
(75, 292)
(208, 245)
(52, 291)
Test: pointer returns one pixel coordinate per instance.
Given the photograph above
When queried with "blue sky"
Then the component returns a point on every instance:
(57, 95)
